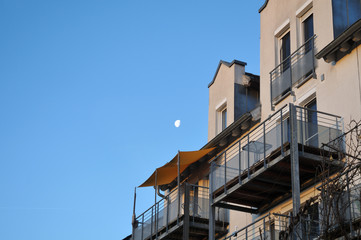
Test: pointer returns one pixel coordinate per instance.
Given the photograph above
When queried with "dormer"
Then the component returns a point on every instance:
(232, 93)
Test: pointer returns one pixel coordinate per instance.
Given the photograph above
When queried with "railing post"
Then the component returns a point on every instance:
(142, 227)
(178, 183)
(247, 233)
(248, 156)
(167, 221)
(282, 150)
(272, 108)
(211, 230)
(291, 77)
(302, 136)
(313, 57)
(225, 172)
(239, 162)
(134, 219)
(337, 127)
(151, 224)
(264, 145)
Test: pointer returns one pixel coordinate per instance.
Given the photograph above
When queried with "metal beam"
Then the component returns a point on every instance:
(285, 184)
(237, 208)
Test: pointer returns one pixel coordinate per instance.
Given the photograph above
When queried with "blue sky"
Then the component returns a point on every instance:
(89, 92)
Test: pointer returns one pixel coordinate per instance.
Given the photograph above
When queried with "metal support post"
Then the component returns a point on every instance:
(195, 200)
(248, 156)
(151, 223)
(155, 205)
(134, 217)
(239, 162)
(302, 123)
(178, 183)
(212, 213)
(272, 106)
(264, 145)
(295, 173)
(225, 172)
(338, 152)
(186, 212)
(168, 202)
(282, 151)
(313, 57)
(142, 226)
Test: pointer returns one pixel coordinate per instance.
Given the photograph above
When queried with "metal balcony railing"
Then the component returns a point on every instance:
(269, 226)
(292, 71)
(167, 213)
(313, 129)
(312, 224)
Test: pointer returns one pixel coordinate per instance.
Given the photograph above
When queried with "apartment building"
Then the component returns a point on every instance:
(267, 133)
(309, 90)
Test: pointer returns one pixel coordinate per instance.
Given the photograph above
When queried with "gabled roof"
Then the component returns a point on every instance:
(228, 64)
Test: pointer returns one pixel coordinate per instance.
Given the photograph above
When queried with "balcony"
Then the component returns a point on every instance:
(254, 174)
(293, 71)
(315, 223)
(179, 213)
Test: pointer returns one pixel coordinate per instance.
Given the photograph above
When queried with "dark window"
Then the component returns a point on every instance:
(285, 51)
(224, 119)
(308, 32)
(311, 126)
(345, 13)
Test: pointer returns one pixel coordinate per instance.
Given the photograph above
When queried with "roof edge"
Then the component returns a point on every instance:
(228, 64)
(263, 6)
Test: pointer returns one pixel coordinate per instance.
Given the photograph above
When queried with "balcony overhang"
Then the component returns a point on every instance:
(262, 188)
(342, 45)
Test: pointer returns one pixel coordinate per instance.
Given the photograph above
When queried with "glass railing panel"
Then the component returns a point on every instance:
(249, 151)
(280, 83)
(293, 70)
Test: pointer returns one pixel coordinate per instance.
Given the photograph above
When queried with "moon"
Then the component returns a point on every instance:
(177, 123)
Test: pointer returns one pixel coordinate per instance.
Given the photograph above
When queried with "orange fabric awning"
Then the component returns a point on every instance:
(168, 172)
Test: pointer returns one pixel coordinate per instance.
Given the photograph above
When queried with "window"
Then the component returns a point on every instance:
(308, 32)
(285, 51)
(312, 127)
(221, 116)
(345, 13)
(224, 118)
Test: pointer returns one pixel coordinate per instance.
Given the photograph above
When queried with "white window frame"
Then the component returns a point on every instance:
(279, 33)
(301, 28)
(219, 110)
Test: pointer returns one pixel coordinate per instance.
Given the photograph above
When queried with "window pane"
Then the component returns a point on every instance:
(308, 28)
(354, 11)
(339, 9)
(308, 32)
(224, 119)
(345, 13)
(285, 51)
